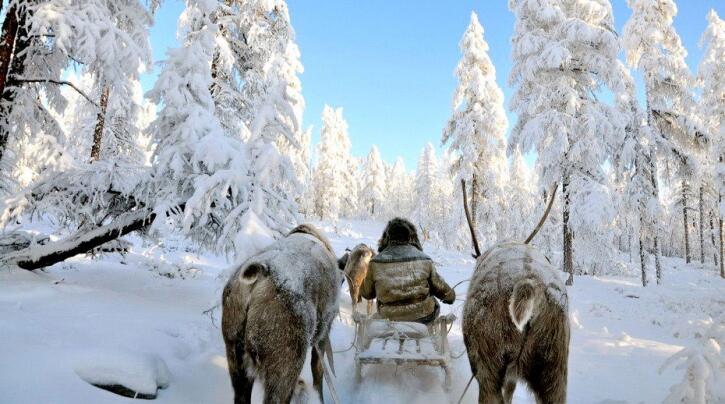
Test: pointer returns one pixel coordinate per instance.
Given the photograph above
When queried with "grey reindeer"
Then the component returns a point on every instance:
(515, 323)
(277, 305)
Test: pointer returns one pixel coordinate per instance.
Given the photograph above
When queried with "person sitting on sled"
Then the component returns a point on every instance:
(403, 278)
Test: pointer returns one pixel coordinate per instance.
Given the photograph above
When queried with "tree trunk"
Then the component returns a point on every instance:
(469, 220)
(474, 201)
(722, 270)
(17, 68)
(629, 243)
(685, 222)
(100, 124)
(712, 239)
(701, 202)
(567, 243)
(642, 257)
(658, 267)
(655, 187)
(7, 43)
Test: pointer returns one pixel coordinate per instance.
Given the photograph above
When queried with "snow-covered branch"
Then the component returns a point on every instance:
(60, 83)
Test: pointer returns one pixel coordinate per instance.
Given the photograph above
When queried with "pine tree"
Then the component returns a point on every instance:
(436, 200)
(475, 131)
(712, 78)
(426, 184)
(254, 72)
(335, 183)
(563, 52)
(653, 47)
(521, 194)
(301, 160)
(399, 190)
(375, 183)
(195, 163)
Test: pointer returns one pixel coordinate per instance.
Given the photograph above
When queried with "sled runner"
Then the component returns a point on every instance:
(381, 341)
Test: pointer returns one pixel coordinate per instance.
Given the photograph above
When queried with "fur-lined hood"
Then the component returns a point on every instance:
(399, 231)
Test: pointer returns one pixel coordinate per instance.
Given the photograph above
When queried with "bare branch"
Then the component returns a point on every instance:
(60, 83)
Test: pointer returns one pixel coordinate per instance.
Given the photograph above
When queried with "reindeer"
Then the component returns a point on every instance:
(276, 306)
(356, 267)
(515, 323)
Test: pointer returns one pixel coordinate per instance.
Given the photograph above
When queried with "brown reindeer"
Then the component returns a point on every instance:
(515, 323)
(276, 306)
(355, 269)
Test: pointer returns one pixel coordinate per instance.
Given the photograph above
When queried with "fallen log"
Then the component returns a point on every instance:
(39, 256)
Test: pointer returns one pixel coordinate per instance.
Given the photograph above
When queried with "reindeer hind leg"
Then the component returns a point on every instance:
(317, 371)
(241, 383)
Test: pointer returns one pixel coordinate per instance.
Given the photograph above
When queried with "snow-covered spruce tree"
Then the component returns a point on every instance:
(277, 110)
(564, 51)
(475, 132)
(375, 184)
(254, 76)
(434, 204)
(653, 47)
(521, 197)
(302, 162)
(335, 183)
(255, 70)
(196, 164)
(712, 109)
(426, 191)
(399, 191)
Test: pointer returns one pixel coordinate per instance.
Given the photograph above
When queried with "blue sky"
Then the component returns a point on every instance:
(390, 64)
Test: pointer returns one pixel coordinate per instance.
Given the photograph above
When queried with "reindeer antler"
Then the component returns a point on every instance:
(546, 213)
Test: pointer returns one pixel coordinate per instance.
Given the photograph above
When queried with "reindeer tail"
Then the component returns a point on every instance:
(524, 302)
(254, 271)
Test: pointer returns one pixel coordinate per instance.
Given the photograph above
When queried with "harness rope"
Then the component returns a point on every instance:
(466, 389)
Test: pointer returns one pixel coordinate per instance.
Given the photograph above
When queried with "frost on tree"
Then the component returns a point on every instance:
(564, 52)
(475, 132)
(336, 181)
(108, 42)
(712, 109)
(301, 158)
(639, 204)
(399, 197)
(256, 66)
(433, 191)
(227, 174)
(520, 196)
(108, 39)
(196, 164)
(653, 47)
(374, 183)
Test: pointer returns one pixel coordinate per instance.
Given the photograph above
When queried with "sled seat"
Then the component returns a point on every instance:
(381, 341)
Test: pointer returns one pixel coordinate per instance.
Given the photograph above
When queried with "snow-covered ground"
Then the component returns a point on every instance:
(142, 318)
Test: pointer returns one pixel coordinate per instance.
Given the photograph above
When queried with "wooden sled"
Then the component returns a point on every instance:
(381, 341)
